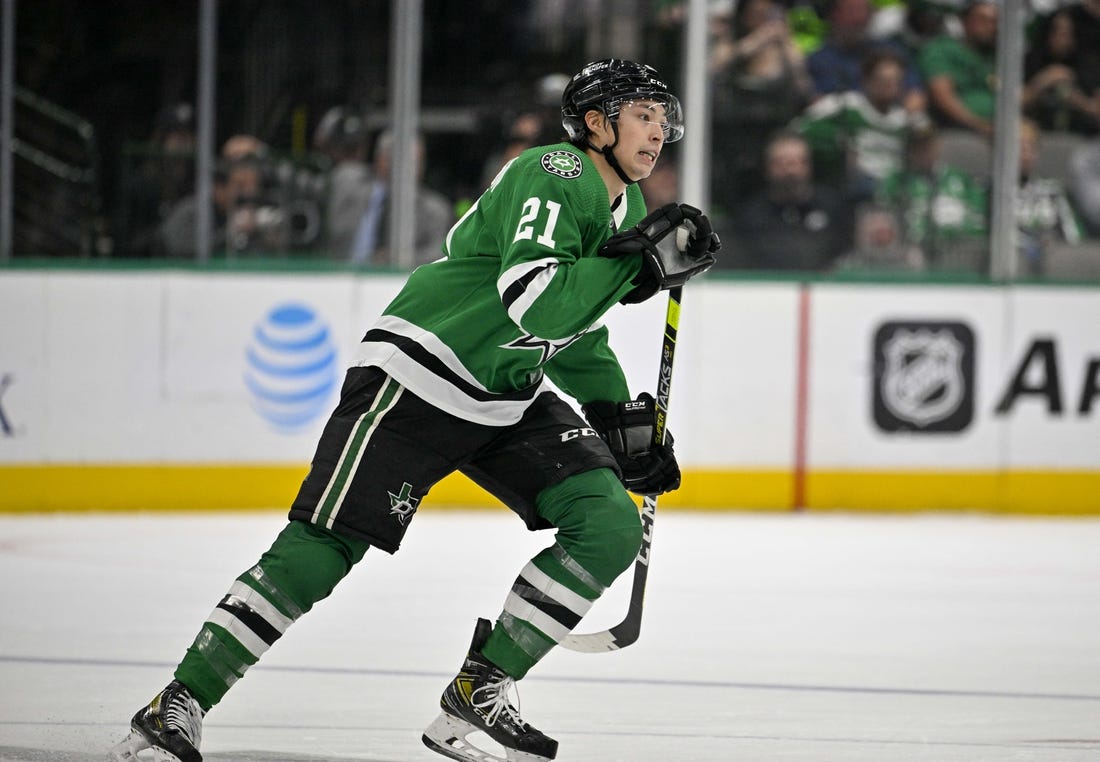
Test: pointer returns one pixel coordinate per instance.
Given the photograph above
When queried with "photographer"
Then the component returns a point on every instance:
(238, 185)
(252, 212)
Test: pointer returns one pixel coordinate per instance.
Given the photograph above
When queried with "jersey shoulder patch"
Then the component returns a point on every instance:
(562, 163)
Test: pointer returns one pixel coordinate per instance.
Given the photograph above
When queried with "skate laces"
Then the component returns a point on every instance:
(183, 714)
(497, 702)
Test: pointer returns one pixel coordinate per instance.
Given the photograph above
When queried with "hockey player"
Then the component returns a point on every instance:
(451, 377)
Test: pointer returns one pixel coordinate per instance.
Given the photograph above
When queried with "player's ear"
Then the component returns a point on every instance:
(595, 121)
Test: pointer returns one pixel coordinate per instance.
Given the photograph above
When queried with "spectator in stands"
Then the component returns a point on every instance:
(759, 84)
(960, 73)
(433, 215)
(1086, 33)
(794, 224)
(246, 217)
(244, 146)
(910, 25)
(1043, 210)
(1084, 184)
(943, 210)
(836, 67)
(237, 193)
(341, 138)
(879, 243)
(165, 176)
(858, 137)
(537, 124)
(1052, 95)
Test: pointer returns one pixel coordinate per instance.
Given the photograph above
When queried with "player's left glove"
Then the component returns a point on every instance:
(645, 468)
(676, 242)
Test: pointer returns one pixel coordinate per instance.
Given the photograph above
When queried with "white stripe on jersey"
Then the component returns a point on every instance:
(618, 214)
(533, 290)
(426, 339)
(431, 388)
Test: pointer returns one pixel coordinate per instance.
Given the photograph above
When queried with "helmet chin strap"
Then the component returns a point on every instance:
(608, 152)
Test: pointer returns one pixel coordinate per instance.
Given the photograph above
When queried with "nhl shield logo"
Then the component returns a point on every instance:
(563, 164)
(924, 374)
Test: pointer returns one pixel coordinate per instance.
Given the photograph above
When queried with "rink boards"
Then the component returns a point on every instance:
(182, 389)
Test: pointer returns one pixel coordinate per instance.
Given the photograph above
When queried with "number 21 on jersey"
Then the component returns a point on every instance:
(532, 213)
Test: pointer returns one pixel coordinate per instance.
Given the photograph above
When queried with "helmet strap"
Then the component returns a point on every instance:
(608, 152)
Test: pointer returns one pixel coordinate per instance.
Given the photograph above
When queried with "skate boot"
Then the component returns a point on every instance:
(477, 700)
(171, 726)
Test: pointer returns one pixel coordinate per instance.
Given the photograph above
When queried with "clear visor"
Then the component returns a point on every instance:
(664, 111)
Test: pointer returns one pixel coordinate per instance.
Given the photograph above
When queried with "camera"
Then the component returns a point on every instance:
(284, 216)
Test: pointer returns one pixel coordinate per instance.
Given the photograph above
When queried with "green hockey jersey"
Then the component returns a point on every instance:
(845, 127)
(518, 297)
(945, 206)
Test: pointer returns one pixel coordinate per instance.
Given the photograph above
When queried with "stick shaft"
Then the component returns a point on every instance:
(627, 631)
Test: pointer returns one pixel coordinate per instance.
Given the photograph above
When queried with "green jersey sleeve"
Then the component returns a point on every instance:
(548, 214)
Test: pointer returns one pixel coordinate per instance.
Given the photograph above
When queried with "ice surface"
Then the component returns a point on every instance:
(766, 637)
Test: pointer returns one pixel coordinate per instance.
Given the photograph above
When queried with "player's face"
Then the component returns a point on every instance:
(642, 127)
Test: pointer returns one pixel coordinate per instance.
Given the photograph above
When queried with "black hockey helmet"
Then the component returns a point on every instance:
(606, 85)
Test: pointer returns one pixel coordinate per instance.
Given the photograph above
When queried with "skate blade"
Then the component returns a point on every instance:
(448, 736)
(127, 750)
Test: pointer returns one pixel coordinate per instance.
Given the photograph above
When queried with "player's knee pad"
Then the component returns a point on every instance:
(598, 523)
(306, 562)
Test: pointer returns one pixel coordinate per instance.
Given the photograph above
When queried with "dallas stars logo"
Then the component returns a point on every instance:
(403, 504)
(547, 347)
(563, 164)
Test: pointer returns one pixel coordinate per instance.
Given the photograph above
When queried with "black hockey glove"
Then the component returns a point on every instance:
(627, 428)
(676, 243)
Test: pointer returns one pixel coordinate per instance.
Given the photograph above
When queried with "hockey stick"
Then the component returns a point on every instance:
(626, 632)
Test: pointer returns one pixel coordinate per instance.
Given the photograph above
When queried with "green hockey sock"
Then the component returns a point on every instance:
(302, 567)
(599, 533)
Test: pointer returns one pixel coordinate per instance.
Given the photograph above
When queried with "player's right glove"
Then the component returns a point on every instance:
(676, 243)
(645, 468)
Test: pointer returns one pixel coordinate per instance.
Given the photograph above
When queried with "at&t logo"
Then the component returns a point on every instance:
(292, 367)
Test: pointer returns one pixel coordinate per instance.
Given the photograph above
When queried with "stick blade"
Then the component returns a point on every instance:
(619, 636)
(591, 642)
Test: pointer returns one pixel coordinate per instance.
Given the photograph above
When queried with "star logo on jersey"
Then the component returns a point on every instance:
(403, 504)
(547, 347)
(563, 164)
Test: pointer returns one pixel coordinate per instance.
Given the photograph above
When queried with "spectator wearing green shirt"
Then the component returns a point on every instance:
(1044, 214)
(858, 137)
(943, 209)
(960, 74)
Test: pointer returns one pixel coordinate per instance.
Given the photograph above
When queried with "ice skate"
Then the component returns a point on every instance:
(170, 727)
(477, 700)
